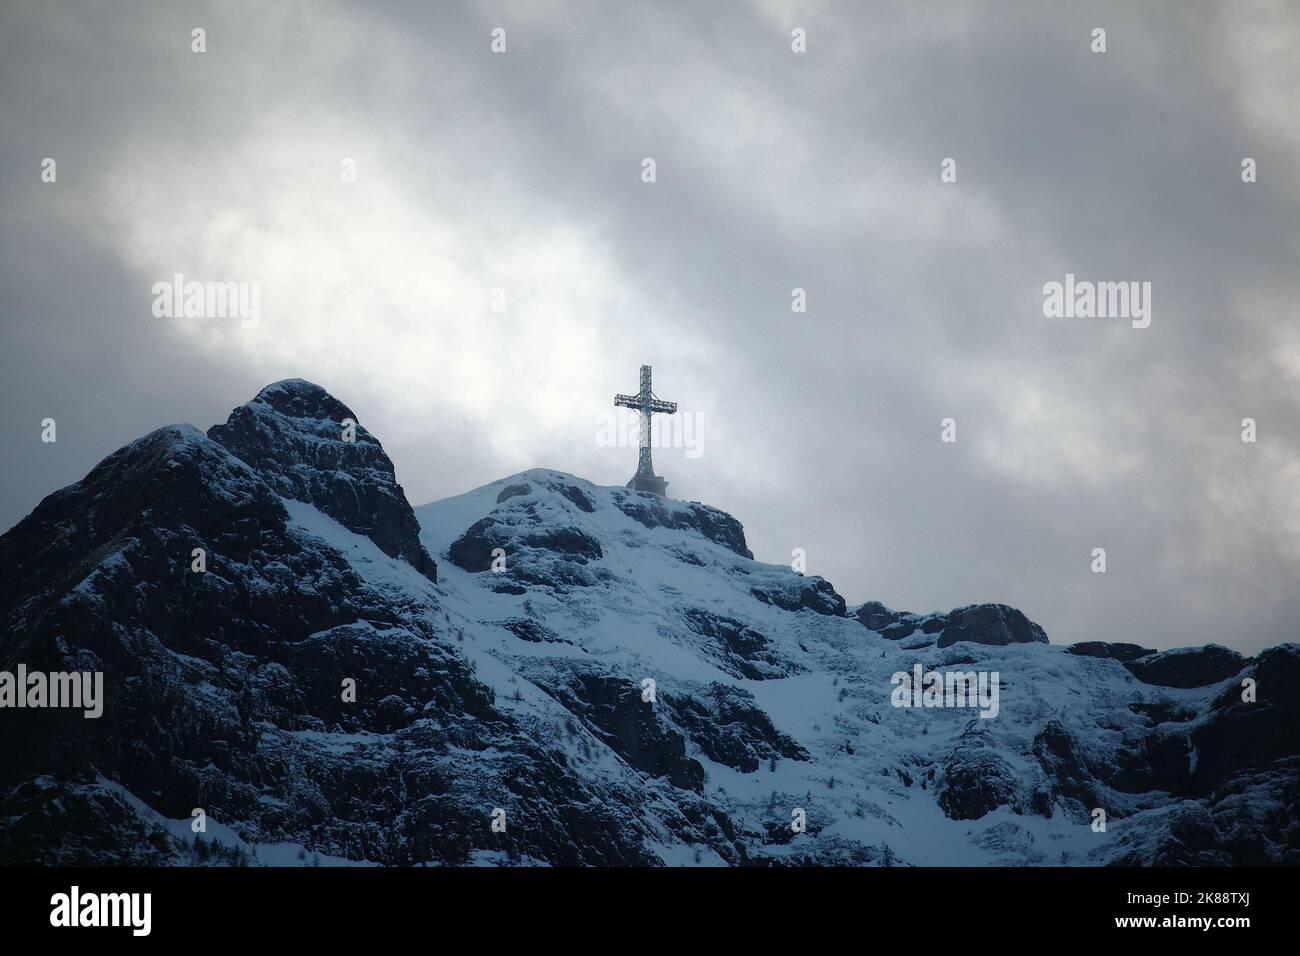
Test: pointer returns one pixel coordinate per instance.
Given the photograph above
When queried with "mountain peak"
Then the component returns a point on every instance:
(292, 434)
(523, 682)
(299, 398)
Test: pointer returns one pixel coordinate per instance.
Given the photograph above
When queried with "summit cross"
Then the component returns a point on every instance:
(645, 402)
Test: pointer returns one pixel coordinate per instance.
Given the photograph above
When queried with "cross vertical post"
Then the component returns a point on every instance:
(645, 402)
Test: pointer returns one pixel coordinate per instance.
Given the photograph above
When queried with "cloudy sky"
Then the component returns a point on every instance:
(775, 170)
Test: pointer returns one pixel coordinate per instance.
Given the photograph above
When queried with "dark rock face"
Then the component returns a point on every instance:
(534, 553)
(975, 781)
(292, 435)
(1245, 736)
(1118, 652)
(535, 632)
(800, 593)
(1236, 767)
(569, 542)
(215, 675)
(612, 708)
(399, 677)
(739, 649)
(1063, 764)
(574, 494)
(654, 512)
(1158, 760)
(232, 688)
(514, 491)
(1163, 712)
(224, 688)
(725, 724)
(555, 483)
(473, 549)
(1187, 667)
(1188, 837)
(876, 617)
(108, 830)
(1182, 667)
(992, 624)
(538, 526)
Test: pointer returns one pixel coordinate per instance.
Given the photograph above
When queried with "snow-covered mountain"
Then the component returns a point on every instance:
(612, 670)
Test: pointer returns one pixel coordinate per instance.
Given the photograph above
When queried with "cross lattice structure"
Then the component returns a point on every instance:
(645, 402)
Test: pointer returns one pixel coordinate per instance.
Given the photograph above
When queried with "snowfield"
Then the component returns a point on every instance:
(611, 669)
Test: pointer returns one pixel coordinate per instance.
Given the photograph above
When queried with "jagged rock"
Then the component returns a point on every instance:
(291, 433)
(653, 511)
(514, 491)
(1119, 652)
(1162, 712)
(1241, 735)
(59, 823)
(725, 724)
(877, 617)
(975, 781)
(740, 649)
(1067, 771)
(799, 593)
(993, 624)
(534, 690)
(1187, 666)
(613, 709)
(904, 626)
(473, 550)
(527, 629)
(399, 677)
(1186, 836)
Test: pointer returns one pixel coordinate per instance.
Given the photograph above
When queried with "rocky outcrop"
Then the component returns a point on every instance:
(974, 781)
(1181, 667)
(724, 722)
(275, 688)
(545, 555)
(631, 689)
(993, 624)
(1119, 652)
(1187, 666)
(473, 550)
(738, 648)
(798, 593)
(613, 709)
(292, 434)
(876, 617)
(1069, 778)
(1251, 730)
(651, 511)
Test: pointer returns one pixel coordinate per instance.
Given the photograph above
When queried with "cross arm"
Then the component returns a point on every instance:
(653, 405)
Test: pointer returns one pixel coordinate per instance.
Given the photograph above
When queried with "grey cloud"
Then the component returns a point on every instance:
(775, 171)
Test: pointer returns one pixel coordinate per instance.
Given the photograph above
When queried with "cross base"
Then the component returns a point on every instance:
(654, 484)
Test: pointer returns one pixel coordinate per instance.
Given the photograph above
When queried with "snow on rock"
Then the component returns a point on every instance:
(291, 433)
(612, 669)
